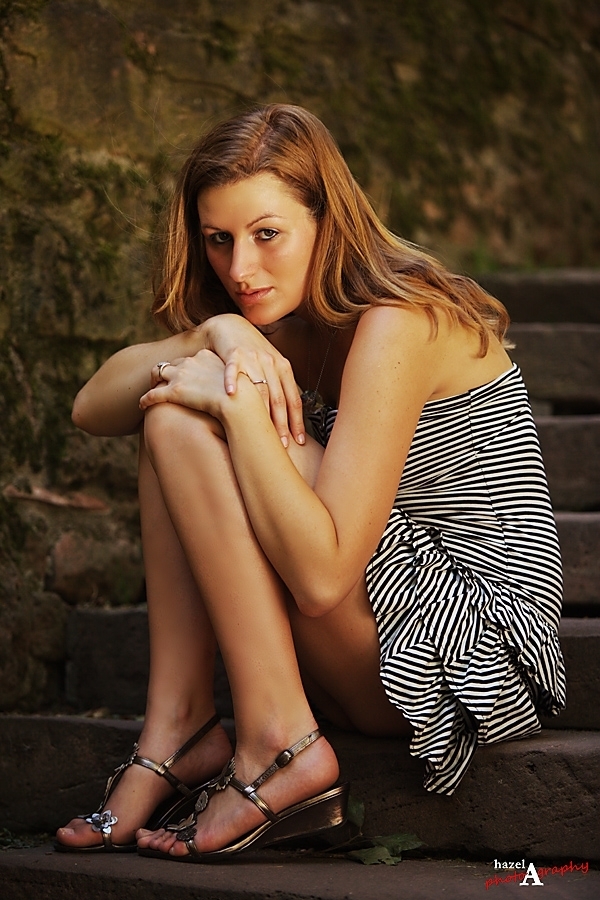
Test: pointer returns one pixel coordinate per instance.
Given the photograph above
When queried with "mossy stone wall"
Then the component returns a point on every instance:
(474, 127)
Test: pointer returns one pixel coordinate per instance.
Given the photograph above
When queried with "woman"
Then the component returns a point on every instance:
(402, 568)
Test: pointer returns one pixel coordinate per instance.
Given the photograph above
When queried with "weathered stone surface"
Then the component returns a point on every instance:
(33, 522)
(85, 569)
(560, 362)
(272, 873)
(579, 536)
(571, 451)
(560, 295)
(32, 646)
(108, 659)
(49, 626)
(580, 642)
(53, 768)
(536, 797)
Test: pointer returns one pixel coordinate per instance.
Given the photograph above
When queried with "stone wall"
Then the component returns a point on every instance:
(475, 128)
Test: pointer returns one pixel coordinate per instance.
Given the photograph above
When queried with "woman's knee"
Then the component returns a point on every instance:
(170, 427)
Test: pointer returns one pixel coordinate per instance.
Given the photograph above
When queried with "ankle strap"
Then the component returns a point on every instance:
(208, 726)
(163, 768)
(285, 758)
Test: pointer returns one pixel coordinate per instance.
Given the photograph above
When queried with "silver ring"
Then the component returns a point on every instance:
(262, 381)
(160, 366)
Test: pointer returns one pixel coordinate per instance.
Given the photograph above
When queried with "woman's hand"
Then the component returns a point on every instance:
(245, 351)
(193, 381)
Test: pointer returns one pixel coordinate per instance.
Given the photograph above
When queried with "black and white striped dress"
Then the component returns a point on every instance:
(466, 581)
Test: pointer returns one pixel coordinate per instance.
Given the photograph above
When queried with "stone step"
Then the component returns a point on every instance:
(579, 536)
(571, 451)
(535, 798)
(109, 666)
(560, 363)
(108, 661)
(560, 295)
(41, 873)
(580, 643)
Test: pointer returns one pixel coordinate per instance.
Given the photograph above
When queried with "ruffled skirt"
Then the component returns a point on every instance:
(467, 660)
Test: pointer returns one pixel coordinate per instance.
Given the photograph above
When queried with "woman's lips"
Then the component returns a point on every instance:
(248, 298)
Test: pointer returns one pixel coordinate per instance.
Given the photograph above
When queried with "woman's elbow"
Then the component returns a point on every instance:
(319, 600)
(78, 412)
(82, 414)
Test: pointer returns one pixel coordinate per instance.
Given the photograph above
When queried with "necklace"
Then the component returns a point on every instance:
(312, 400)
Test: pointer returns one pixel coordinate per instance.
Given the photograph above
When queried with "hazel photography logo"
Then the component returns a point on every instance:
(528, 874)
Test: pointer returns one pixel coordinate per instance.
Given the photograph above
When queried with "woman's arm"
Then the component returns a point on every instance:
(321, 540)
(109, 403)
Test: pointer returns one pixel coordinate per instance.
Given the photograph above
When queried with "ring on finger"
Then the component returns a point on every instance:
(261, 381)
(160, 366)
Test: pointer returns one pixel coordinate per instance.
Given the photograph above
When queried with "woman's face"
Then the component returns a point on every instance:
(259, 240)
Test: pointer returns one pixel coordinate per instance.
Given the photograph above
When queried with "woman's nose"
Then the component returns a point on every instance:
(243, 261)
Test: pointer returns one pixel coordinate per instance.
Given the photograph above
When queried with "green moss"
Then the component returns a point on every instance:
(220, 40)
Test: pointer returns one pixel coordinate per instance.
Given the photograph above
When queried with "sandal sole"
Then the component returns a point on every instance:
(320, 813)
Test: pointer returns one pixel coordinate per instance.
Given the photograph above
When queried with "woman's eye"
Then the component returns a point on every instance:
(266, 234)
(220, 237)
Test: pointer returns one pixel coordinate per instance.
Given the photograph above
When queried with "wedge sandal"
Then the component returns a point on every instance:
(321, 812)
(181, 803)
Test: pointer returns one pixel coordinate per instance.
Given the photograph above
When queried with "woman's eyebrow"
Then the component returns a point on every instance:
(266, 215)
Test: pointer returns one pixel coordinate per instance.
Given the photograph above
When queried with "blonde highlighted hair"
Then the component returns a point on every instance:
(357, 262)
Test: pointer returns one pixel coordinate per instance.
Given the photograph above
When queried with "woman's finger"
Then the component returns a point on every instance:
(291, 400)
(233, 370)
(155, 395)
(163, 372)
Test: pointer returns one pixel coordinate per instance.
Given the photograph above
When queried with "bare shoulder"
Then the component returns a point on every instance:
(397, 333)
(446, 354)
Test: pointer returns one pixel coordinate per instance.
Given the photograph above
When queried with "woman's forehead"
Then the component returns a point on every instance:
(258, 196)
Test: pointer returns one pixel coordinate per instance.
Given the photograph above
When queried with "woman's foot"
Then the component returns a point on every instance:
(229, 814)
(140, 790)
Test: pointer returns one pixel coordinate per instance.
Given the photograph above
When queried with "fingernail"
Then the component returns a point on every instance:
(285, 441)
(230, 389)
(301, 439)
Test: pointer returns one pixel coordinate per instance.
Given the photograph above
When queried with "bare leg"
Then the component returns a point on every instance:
(180, 692)
(339, 658)
(246, 605)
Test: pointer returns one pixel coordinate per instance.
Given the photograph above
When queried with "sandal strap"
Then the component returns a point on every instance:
(102, 822)
(187, 829)
(162, 769)
(283, 760)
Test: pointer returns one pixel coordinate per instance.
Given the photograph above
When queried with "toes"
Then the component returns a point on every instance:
(146, 838)
(142, 833)
(178, 848)
(76, 837)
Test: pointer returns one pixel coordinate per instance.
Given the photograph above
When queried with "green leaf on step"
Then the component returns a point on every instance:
(356, 811)
(396, 843)
(373, 856)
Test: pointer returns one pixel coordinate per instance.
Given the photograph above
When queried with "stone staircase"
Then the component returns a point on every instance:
(538, 798)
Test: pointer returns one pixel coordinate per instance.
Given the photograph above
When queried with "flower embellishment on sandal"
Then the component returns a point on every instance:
(102, 822)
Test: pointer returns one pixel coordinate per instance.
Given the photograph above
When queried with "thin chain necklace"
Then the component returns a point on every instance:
(312, 400)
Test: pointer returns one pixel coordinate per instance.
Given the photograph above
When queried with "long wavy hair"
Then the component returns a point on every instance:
(356, 263)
